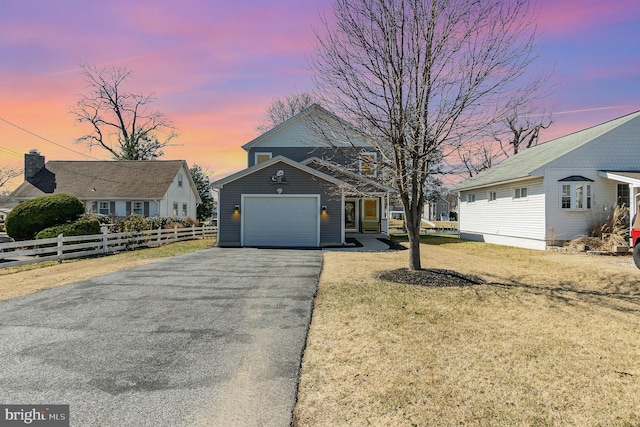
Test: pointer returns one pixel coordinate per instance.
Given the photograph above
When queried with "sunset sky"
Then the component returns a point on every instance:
(215, 66)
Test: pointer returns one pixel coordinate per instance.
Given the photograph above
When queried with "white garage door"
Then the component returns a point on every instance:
(284, 221)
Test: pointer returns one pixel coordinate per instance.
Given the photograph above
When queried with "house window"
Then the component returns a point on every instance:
(137, 208)
(576, 196)
(575, 193)
(492, 196)
(520, 193)
(103, 208)
(368, 164)
(184, 209)
(566, 196)
(471, 198)
(175, 208)
(262, 157)
(624, 198)
(180, 180)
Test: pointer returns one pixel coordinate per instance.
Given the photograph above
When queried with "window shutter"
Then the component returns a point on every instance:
(112, 208)
(146, 208)
(128, 209)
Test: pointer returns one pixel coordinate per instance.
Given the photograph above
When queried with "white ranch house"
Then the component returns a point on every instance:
(555, 191)
(114, 188)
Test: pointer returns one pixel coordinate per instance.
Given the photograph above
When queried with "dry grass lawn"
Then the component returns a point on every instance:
(25, 280)
(553, 339)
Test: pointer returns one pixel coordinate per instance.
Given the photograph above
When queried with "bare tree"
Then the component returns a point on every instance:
(521, 131)
(513, 134)
(122, 122)
(281, 109)
(6, 175)
(425, 77)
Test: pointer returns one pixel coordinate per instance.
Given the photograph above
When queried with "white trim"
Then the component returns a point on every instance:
(280, 196)
(220, 183)
(261, 153)
(356, 203)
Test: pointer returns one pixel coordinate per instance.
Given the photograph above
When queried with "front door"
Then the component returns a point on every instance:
(351, 215)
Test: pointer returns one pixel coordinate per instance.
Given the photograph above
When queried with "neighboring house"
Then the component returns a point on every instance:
(114, 188)
(437, 210)
(6, 205)
(556, 191)
(309, 181)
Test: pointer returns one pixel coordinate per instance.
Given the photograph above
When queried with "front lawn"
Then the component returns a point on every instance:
(551, 339)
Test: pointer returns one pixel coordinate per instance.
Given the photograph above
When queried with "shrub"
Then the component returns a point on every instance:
(32, 216)
(83, 227)
(135, 223)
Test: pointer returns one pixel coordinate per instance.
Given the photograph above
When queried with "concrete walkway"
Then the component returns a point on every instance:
(370, 243)
(212, 338)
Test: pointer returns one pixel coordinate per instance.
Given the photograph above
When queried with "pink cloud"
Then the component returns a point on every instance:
(563, 17)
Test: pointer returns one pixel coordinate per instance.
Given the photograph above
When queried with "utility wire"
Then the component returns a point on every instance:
(45, 139)
(13, 153)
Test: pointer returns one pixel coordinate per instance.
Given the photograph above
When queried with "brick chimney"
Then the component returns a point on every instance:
(33, 163)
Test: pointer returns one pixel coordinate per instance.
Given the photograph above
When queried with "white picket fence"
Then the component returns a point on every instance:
(58, 248)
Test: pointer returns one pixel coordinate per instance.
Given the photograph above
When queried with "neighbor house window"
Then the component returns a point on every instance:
(623, 198)
(471, 198)
(262, 157)
(575, 193)
(103, 208)
(520, 193)
(175, 208)
(184, 209)
(137, 208)
(492, 196)
(180, 180)
(368, 166)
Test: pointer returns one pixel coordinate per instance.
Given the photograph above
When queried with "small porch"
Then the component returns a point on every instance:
(366, 214)
(628, 191)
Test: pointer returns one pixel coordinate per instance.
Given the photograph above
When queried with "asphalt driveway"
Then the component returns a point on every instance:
(212, 338)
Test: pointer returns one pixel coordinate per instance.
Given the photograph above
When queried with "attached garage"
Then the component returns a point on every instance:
(280, 220)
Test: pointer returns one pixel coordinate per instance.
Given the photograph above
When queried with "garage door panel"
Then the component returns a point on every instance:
(280, 221)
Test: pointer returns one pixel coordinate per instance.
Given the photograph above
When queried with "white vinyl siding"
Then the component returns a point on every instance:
(505, 220)
(568, 223)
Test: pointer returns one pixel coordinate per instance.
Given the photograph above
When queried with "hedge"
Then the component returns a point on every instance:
(83, 227)
(32, 216)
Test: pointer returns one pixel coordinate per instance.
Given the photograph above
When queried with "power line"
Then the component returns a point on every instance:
(47, 140)
(13, 153)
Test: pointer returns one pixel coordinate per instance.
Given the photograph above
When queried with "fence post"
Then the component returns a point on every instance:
(193, 231)
(105, 246)
(159, 235)
(175, 232)
(59, 250)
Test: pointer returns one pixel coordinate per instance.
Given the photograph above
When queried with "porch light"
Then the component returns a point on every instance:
(236, 209)
(324, 210)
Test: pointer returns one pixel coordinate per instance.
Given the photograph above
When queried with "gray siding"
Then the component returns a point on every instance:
(343, 156)
(298, 182)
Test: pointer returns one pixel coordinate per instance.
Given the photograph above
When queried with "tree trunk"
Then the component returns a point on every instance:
(414, 247)
(412, 222)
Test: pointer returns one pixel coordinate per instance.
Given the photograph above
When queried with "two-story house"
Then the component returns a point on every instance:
(309, 181)
(114, 188)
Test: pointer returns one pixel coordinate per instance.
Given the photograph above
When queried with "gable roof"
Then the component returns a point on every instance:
(528, 163)
(278, 159)
(91, 180)
(321, 120)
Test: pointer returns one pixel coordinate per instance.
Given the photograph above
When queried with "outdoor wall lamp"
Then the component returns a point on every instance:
(236, 209)
(324, 210)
